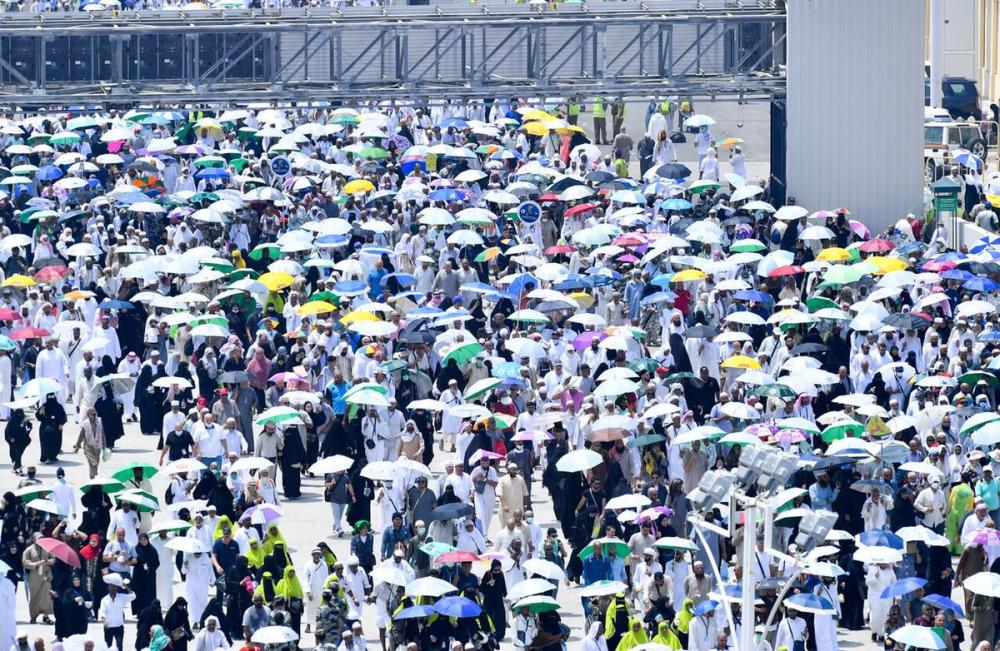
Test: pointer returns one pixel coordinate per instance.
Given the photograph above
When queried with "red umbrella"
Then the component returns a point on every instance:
(877, 246)
(60, 550)
(579, 209)
(49, 274)
(29, 333)
(559, 248)
(787, 270)
(456, 557)
(7, 314)
(631, 239)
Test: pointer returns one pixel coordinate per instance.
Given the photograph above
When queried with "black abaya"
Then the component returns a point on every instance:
(149, 617)
(292, 457)
(51, 417)
(73, 612)
(144, 577)
(111, 419)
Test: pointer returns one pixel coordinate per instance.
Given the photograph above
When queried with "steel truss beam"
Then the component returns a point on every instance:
(625, 48)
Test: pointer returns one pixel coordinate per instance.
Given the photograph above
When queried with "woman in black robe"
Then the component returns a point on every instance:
(276, 561)
(51, 417)
(494, 588)
(221, 497)
(293, 457)
(185, 396)
(110, 414)
(150, 616)
(11, 555)
(13, 519)
(73, 614)
(238, 598)
(18, 437)
(91, 565)
(177, 626)
(144, 574)
(144, 399)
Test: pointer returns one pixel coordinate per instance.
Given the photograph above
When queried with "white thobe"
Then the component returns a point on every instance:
(165, 572)
(826, 625)
(54, 365)
(316, 576)
(200, 576)
(128, 398)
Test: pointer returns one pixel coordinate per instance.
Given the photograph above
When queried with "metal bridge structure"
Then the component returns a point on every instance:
(631, 48)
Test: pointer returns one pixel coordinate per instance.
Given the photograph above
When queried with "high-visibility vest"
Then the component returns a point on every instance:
(665, 106)
(620, 109)
(573, 109)
(599, 107)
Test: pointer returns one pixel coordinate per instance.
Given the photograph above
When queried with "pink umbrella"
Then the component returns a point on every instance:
(484, 454)
(582, 342)
(532, 435)
(654, 513)
(761, 430)
(859, 229)
(790, 436)
(285, 377)
(985, 537)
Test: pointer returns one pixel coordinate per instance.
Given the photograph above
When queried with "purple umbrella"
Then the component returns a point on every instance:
(582, 342)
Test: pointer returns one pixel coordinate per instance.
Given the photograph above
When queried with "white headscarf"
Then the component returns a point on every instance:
(593, 641)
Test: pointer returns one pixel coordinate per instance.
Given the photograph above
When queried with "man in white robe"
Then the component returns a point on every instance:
(199, 578)
(316, 576)
(826, 625)
(165, 572)
(53, 364)
(130, 365)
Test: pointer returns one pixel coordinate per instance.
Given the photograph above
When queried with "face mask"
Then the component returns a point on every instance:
(505, 401)
(421, 530)
(529, 520)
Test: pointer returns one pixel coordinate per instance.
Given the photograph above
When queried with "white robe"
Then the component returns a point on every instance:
(701, 634)
(877, 581)
(128, 398)
(6, 389)
(165, 572)
(200, 576)
(316, 576)
(826, 625)
(53, 364)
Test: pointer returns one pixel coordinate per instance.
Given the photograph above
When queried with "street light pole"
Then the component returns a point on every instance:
(698, 525)
(749, 591)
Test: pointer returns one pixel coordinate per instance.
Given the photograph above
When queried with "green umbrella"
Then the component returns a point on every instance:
(35, 491)
(210, 161)
(224, 267)
(644, 364)
(239, 164)
(462, 354)
(276, 415)
(645, 439)
(482, 387)
(676, 544)
(748, 246)
(142, 503)
(209, 319)
(203, 196)
(677, 377)
(394, 365)
(842, 430)
(435, 549)
(504, 421)
(817, 303)
(774, 391)
(126, 472)
(842, 275)
(537, 604)
(102, 484)
(974, 378)
(65, 138)
(269, 249)
(620, 546)
(345, 119)
(373, 152)
(329, 297)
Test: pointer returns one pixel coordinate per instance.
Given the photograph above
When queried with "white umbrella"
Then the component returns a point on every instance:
(251, 463)
(170, 380)
(922, 534)
(544, 568)
(920, 637)
(380, 471)
(877, 554)
(819, 568)
(579, 461)
(630, 501)
(388, 574)
(274, 635)
(187, 545)
(183, 466)
(528, 588)
(983, 583)
(330, 465)
(699, 120)
(603, 588)
(431, 586)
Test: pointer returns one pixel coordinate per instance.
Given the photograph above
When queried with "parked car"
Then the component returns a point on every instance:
(959, 96)
(941, 136)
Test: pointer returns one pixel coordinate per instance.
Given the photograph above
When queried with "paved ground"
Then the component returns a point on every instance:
(307, 521)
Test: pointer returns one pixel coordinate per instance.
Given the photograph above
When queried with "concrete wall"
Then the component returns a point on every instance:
(855, 107)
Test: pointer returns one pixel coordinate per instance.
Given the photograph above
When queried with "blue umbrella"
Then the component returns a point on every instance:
(6, 343)
(706, 606)
(424, 312)
(507, 370)
(572, 282)
(967, 159)
(457, 607)
(212, 173)
(752, 295)
(944, 603)
(332, 240)
(351, 287)
(957, 274)
(478, 288)
(675, 204)
(415, 612)
(453, 123)
(663, 280)
(882, 539)
(810, 603)
(985, 243)
(114, 305)
(989, 335)
(404, 279)
(980, 285)
(658, 297)
(130, 198)
(521, 282)
(48, 173)
(447, 194)
(903, 587)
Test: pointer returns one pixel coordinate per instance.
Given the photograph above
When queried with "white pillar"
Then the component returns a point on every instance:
(937, 50)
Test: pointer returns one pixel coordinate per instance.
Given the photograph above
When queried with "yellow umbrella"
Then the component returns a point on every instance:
(731, 142)
(78, 294)
(276, 280)
(209, 124)
(359, 186)
(688, 274)
(886, 265)
(313, 308)
(573, 128)
(834, 254)
(357, 315)
(18, 280)
(584, 299)
(535, 129)
(741, 361)
(536, 114)
(488, 254)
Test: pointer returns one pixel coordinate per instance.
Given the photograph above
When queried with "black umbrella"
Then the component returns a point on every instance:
(809, 348)
(600, 177)
(738, 219)
(906, 321)
(452, 511)
(833, 462)
(72, 214)
(144, 166)
(673, 171)
(48, 262)
(416, 337)
(616, 184)
(680, 226)
(702, 332)
(563, 184)
(234, 377)
(979, 268)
